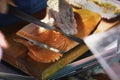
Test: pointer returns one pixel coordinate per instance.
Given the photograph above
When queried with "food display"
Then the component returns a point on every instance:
(56, 39)
(41, 62)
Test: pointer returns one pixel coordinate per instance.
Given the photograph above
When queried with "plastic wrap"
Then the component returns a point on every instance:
(105, 47)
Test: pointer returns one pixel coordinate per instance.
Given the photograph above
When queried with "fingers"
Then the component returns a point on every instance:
(3, 6)
(67, 27)
(63, 16)
(0, 53)
(3, 42)
(11, 3)
(65, 23)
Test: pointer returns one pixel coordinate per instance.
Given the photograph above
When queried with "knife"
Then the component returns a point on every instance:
(26, 17)
(9, 76)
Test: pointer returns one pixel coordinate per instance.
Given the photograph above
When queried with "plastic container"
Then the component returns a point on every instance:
(106, 48)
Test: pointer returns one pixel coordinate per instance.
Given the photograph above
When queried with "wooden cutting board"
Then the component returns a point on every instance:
(16, 54)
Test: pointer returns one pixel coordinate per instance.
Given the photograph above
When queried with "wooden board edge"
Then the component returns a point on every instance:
(76, 52)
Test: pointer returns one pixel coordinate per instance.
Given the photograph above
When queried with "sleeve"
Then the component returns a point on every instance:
(28, 6)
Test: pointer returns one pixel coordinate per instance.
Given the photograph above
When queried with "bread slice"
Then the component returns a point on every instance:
(49, 37)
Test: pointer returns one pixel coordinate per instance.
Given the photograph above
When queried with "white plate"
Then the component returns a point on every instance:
(106, 8)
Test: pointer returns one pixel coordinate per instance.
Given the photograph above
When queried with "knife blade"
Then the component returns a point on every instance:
(9, 76)
(26, 17)
(45, 46)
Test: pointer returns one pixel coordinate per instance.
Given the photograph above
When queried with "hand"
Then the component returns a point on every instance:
(4, 5)
(63, 16)
(3, 43)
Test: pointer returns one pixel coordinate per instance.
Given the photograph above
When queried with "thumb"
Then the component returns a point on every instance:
(3, 42)
(11, 3)
(0, 53)
(3, 6)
